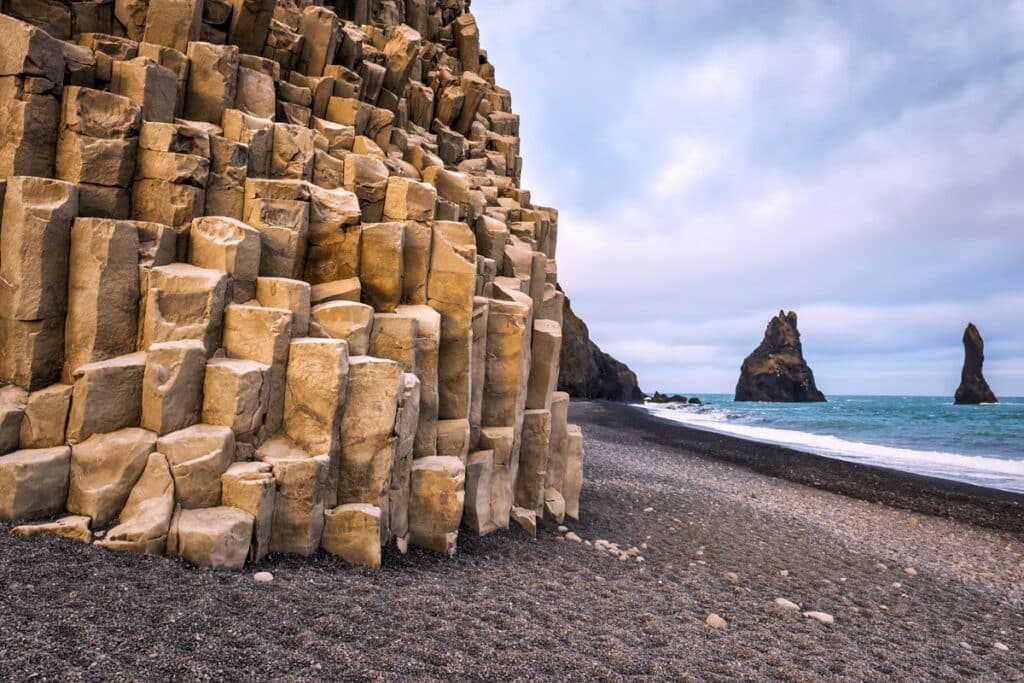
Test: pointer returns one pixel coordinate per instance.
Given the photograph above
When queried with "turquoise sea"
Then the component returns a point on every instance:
(981, 445)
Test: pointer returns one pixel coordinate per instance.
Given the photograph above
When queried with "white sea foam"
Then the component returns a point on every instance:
(991, 472)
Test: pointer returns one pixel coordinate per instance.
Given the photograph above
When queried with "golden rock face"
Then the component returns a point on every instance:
(269, 283)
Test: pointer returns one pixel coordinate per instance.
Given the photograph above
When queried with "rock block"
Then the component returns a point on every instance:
(301, 488)
(250, 486)
(33, 483)
(316, 389)
(13, 402)
(292, 295)
(573, 482)
(184, 302)
(172, 386)
(217, 537)
(225, 244)
(507, 343)
(345, 320)
(394, 338)
(450, 291)
(284, 228)
(34, 247)
(476, 514)
(212, 81)
(546, 351)
(406, 425)
(107, 396)
(293, 152)
(104, 469)
(149, 84)
(505, 465)
(453, 438)
(198, 456)
(72, 528)
(103, 292)
(353, 533)
(436, 502)
(99, 114)
(146, 518)
(236, 394)
(367, 178)
(97, 161)
(30, 51)
(173, 23)
(33, 352)
(428, 341)
(45, 419)
(367, 441)
(262, 335)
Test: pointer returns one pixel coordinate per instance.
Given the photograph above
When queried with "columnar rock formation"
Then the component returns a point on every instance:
(973, 389)
(776, 370)
(269, 283)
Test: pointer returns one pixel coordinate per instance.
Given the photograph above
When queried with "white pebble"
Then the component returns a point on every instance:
(786, 604)
(999, 646)
(263, 577)
(648, 509)
(910, 571)
(822, 617)
(716, 622)
(562, 529)
(571, 536)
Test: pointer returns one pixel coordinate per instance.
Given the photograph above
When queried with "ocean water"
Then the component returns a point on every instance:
(981, 445)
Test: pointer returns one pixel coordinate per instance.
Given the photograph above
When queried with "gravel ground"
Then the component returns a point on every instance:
(721, 538)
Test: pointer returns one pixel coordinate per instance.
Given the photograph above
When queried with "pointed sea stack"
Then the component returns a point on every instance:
(776, 371)
(973, 387)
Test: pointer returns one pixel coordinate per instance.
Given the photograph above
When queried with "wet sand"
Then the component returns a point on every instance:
(728, 526)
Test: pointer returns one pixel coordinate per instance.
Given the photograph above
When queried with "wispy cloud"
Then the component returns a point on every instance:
(858, 162)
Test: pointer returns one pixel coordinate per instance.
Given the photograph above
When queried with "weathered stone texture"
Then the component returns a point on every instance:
(269, 283)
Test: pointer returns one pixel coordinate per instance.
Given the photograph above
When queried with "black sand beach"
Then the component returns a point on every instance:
(728, 526)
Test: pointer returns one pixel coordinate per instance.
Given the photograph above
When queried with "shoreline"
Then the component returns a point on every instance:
(913, 597)
(978, 505)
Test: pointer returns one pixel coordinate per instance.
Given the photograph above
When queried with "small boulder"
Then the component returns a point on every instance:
(33, 483)
(217, 537)
(352, 532)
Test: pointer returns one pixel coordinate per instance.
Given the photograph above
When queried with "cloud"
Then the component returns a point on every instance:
(859, 163)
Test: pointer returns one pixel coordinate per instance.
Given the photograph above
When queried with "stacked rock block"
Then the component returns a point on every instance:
(269, 284)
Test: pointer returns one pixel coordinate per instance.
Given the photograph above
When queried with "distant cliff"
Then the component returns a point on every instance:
(588, 372)
(973, 387)
(776, 370)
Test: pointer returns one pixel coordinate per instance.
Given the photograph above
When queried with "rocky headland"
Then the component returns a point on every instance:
(973, 389)
(588, 372)
(776, 371)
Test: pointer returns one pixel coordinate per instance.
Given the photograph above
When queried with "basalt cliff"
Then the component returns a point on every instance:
(269, 282)
(588, 372)
(973, 389)
(776, 371)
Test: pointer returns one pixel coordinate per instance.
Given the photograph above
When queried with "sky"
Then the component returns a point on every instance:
(860, 162)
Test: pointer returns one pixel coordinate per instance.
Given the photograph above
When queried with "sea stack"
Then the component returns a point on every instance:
(973, 387)
(776, 371)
